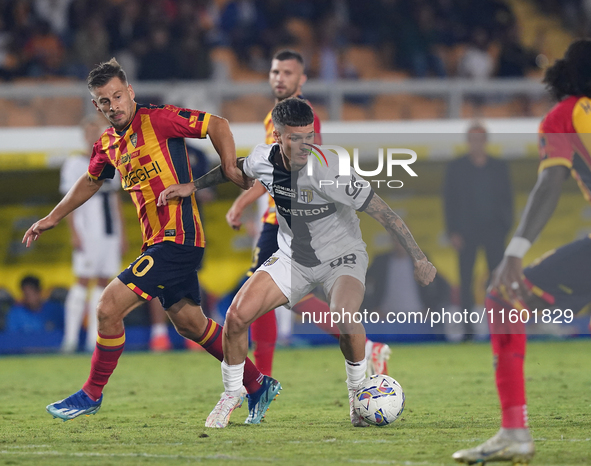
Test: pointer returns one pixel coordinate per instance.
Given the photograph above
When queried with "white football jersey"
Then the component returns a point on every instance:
(317, 220)
(97, 217)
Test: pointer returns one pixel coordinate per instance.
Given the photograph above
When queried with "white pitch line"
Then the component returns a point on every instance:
(140, 455)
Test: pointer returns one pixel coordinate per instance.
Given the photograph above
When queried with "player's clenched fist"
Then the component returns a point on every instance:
(424, 272)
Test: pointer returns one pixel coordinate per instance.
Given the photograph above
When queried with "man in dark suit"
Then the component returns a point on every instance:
(478, 202)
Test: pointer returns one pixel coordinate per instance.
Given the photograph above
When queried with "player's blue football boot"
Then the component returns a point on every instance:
(75, 405)
(258, 403)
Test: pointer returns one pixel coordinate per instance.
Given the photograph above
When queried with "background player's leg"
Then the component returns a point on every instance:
(467, 257)
(263, 333)
(318, 309)
(74, 313)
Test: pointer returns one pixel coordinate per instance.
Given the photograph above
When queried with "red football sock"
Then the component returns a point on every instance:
(104, 361)
(508, 344)
(263, 333)
(319, 311)
(211, 341)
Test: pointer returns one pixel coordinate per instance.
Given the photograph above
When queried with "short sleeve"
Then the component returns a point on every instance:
(100, 166)
(557, 138)
(249, 165)
(175, 122)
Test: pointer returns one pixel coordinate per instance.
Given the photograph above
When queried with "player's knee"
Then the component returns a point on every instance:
(106, 311)
(235, 321)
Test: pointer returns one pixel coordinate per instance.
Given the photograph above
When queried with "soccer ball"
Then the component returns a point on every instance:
(379, 400)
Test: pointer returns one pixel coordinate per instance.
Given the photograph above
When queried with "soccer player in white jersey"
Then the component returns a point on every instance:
(96, 231)
(320, 243)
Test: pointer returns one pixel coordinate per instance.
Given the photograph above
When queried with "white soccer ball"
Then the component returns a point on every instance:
(379, 400)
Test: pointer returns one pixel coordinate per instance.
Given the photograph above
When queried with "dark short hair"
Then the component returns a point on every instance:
(571, 75)
(31, 280)
(292, 112)
(104, 72)
(288, 54)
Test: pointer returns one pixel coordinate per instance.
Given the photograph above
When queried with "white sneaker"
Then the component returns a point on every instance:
(220, 416)
(356, 419)
(377, 359)
(514, 445)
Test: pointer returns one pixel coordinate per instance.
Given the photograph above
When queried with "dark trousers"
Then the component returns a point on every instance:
(494, 247)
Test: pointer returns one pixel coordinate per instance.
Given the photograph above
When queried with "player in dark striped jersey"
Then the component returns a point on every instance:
(320, 243)
(286, 78)
(146, 145)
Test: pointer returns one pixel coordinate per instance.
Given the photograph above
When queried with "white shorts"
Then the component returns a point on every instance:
(98, 259)
(295, 281)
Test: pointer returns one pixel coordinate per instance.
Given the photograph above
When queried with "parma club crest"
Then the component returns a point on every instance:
(306, 195)
(133, 139)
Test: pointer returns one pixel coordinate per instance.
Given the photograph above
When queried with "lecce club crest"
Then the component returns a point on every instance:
(306, 195)
(133, 139)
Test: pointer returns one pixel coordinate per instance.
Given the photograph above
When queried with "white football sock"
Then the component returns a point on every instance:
(232, 377)
(158, 330)
(355, 373)
(91, 322)
(74, 312)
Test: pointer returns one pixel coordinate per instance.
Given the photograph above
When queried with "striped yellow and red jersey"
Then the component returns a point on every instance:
(565, 139)
(270, 215)
(151, 155)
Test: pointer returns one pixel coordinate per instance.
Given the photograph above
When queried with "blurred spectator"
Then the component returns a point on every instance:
(159, 62)
(55, 13)
(477, 63)
(418, 42)
(515, 60)
(390, 285)
(127, 27)
(6, 302)
(33, 314)
(243, 25)
(44, 52)
(478, 204)
(91, 43)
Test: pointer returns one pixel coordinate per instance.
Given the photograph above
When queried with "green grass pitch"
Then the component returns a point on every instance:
(155, 406)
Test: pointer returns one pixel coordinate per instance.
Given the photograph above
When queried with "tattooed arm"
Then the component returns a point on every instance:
(211, 178)
(378, 209)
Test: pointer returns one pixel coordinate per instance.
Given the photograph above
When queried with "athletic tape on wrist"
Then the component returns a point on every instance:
(518, 247)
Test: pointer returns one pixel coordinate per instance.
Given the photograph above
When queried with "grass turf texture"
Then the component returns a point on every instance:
(156, 404)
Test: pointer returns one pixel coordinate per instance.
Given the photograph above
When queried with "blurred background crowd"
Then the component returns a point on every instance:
(168, 39)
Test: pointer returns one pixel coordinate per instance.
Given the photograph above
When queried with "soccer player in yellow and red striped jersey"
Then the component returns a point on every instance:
(286, 78)
(560, 279)
(146, 145)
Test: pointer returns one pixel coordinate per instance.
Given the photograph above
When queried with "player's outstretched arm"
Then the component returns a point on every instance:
(246, 198)
(541, 203)
(83, 190)
(378, 209)
(222, 139)
(212, 178)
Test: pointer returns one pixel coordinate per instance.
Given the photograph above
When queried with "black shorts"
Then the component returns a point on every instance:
(562, 277)
(165, 270)
(266, 246)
